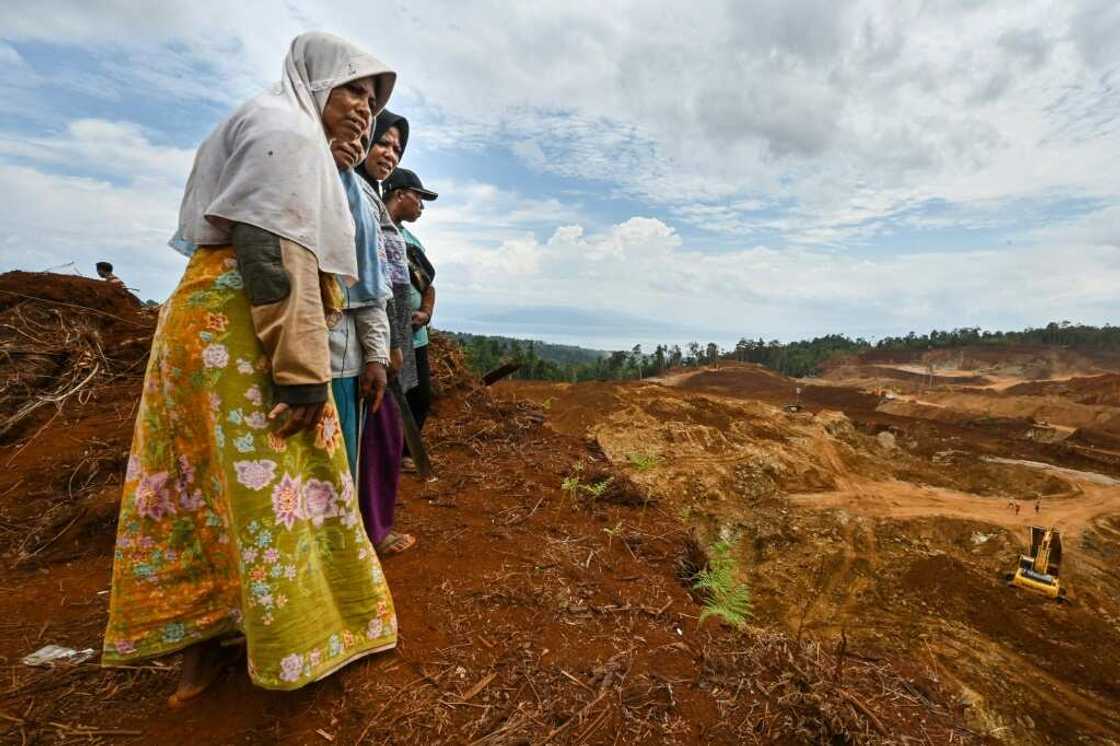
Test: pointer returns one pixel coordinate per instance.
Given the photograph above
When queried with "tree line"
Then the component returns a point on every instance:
(549, 362)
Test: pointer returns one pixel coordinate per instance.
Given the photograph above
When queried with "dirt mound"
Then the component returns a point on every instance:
(1036, 417)
(450, 372)
(688, 447)
(753, 382)
(62, 336)
(733, 379)
(72, 291)
(72, 355)
(572, 408)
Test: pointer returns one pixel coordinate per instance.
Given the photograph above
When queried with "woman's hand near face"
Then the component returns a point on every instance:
(347, 154)
(354, 126)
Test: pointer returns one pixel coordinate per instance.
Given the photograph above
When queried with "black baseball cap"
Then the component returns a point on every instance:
(402, 178)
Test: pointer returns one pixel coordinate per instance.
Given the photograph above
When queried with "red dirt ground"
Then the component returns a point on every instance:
(527, 614)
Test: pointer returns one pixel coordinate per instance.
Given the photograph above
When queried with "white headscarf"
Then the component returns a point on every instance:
(269, 163)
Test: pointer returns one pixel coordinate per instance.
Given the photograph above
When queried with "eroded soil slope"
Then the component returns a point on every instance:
(888, 531)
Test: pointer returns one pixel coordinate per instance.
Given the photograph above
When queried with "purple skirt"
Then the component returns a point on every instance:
(380, 468)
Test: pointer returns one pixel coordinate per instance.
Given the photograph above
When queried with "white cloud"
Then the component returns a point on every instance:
(120, 149)
(798, 133)
(643, 267)
(1095, 29)
(804, 100)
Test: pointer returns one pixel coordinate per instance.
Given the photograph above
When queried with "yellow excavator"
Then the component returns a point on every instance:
(1038, 571)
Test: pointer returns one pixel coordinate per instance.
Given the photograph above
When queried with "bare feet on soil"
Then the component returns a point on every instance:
(203, 663)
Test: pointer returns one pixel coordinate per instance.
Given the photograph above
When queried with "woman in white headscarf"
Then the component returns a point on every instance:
(238, 514)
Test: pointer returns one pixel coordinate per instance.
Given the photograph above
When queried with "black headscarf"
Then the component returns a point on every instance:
(385, 120)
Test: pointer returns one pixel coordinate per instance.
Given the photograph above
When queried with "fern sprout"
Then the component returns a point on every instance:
(727, 597)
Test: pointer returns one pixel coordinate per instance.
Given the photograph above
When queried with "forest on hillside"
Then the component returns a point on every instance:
(544, 361)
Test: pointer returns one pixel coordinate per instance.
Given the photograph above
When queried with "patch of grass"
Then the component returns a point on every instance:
(642, 461)
(574, 485)
(728, 597)
(596, 489)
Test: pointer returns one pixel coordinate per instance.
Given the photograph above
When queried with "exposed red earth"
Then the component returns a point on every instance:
(873, 541)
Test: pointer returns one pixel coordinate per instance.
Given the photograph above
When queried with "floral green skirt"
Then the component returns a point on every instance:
(226, 527)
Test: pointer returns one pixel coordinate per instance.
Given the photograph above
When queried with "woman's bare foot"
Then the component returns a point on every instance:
(202, 664)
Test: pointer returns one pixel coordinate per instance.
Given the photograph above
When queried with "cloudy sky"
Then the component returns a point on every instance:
(624, 172)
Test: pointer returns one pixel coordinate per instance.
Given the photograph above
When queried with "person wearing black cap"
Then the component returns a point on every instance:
(404, 196)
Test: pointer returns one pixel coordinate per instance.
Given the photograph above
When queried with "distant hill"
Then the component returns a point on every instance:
(1059, 348)
(539, 359)
(1055, 348)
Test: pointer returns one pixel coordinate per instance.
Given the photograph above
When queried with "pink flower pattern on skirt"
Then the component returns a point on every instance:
(320, 498)
(255, 475)
(153, 498)
(287, 499)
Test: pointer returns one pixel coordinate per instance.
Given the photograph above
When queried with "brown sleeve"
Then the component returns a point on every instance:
(282, 280)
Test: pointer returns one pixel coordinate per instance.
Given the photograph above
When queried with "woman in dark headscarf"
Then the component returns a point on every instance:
(238, 514)
(382, 441)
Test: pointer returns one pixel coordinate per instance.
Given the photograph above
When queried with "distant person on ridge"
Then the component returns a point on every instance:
(238, 514)
(405, 195)
(105, 272)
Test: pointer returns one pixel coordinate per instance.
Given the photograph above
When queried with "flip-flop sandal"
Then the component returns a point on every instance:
(396, 543)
